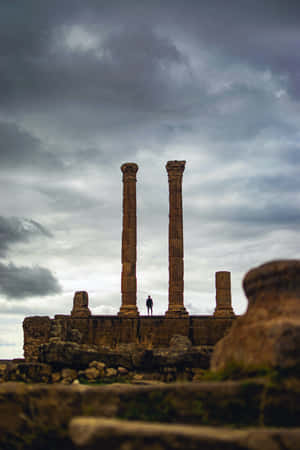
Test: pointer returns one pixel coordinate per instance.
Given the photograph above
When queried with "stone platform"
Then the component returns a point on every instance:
(113, 331)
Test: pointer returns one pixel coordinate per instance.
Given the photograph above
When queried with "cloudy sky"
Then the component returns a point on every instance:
(87, 86)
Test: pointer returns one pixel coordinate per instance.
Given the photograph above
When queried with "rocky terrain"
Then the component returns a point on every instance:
(244, 395)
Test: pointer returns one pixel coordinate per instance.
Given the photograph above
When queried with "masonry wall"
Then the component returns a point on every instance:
(111, 331)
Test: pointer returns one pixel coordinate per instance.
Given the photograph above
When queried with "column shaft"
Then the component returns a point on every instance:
(223, 295)
(128, 279)
(176, 267)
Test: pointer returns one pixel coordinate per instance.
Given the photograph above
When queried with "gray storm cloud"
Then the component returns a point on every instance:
(14, 230)
(21, 282)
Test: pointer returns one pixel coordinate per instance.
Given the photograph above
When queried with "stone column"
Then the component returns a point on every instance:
(223, 295)
(81, 305)
(175, 171)
(128, 282)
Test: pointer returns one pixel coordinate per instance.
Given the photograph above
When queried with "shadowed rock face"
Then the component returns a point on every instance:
(269, 333)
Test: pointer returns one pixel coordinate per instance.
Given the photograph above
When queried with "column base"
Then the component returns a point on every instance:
(178, 311)
(128, 311)
(80, 312)
(224, 312)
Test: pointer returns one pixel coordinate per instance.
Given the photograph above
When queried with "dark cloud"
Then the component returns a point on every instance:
(69, 198)
(20, 282)
(14, 230)
(19, 149)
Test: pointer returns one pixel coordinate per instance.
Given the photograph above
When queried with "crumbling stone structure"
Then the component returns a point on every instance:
(116, 331)
(268, 335)
(83, 329)
(80, 305)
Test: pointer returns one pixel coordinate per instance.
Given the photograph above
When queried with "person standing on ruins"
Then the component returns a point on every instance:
(149, 304)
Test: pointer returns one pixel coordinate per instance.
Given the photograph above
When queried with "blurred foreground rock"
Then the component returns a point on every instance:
(94, 433)
(268, 335)
(38, 416)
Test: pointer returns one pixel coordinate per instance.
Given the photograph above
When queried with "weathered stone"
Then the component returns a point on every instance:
(69, 374)
(66, 354)
(176, 307)
(56, 377)
(36, 331)
(28, 372)
(128, 282)
(223, 295)
(102, 333)
(2, 370)
(92, 373)
(111, 372)
(91, 433)
(180, 343)
(269, 333)
(98, 365)
(122, 371)
(81, 305)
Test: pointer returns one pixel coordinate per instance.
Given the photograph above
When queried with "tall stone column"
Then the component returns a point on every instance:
(175, 171)
(223, 295)
(128, 282)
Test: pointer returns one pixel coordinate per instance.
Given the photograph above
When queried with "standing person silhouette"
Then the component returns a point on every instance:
(149, 304)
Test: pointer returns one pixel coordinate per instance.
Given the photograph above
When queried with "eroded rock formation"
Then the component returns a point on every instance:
(269, 333)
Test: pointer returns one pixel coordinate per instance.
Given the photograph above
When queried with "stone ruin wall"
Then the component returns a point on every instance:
(113, 331)
(128, 327)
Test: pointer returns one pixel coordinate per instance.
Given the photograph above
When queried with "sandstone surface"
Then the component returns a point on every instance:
(268, 335)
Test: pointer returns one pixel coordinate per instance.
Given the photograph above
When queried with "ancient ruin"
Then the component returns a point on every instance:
(128, 283)
(268, 334)
(176, 269)
(223, 295)
(157, 367)
(81, 305)
(82, 328)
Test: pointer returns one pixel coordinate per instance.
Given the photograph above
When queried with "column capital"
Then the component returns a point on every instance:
(129, 170)
(175, 167)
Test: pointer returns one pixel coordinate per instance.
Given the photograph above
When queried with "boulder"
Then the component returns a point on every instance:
(29, 372)
(111, 372)
(98, 365)
(92, 373)
(68, 375)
